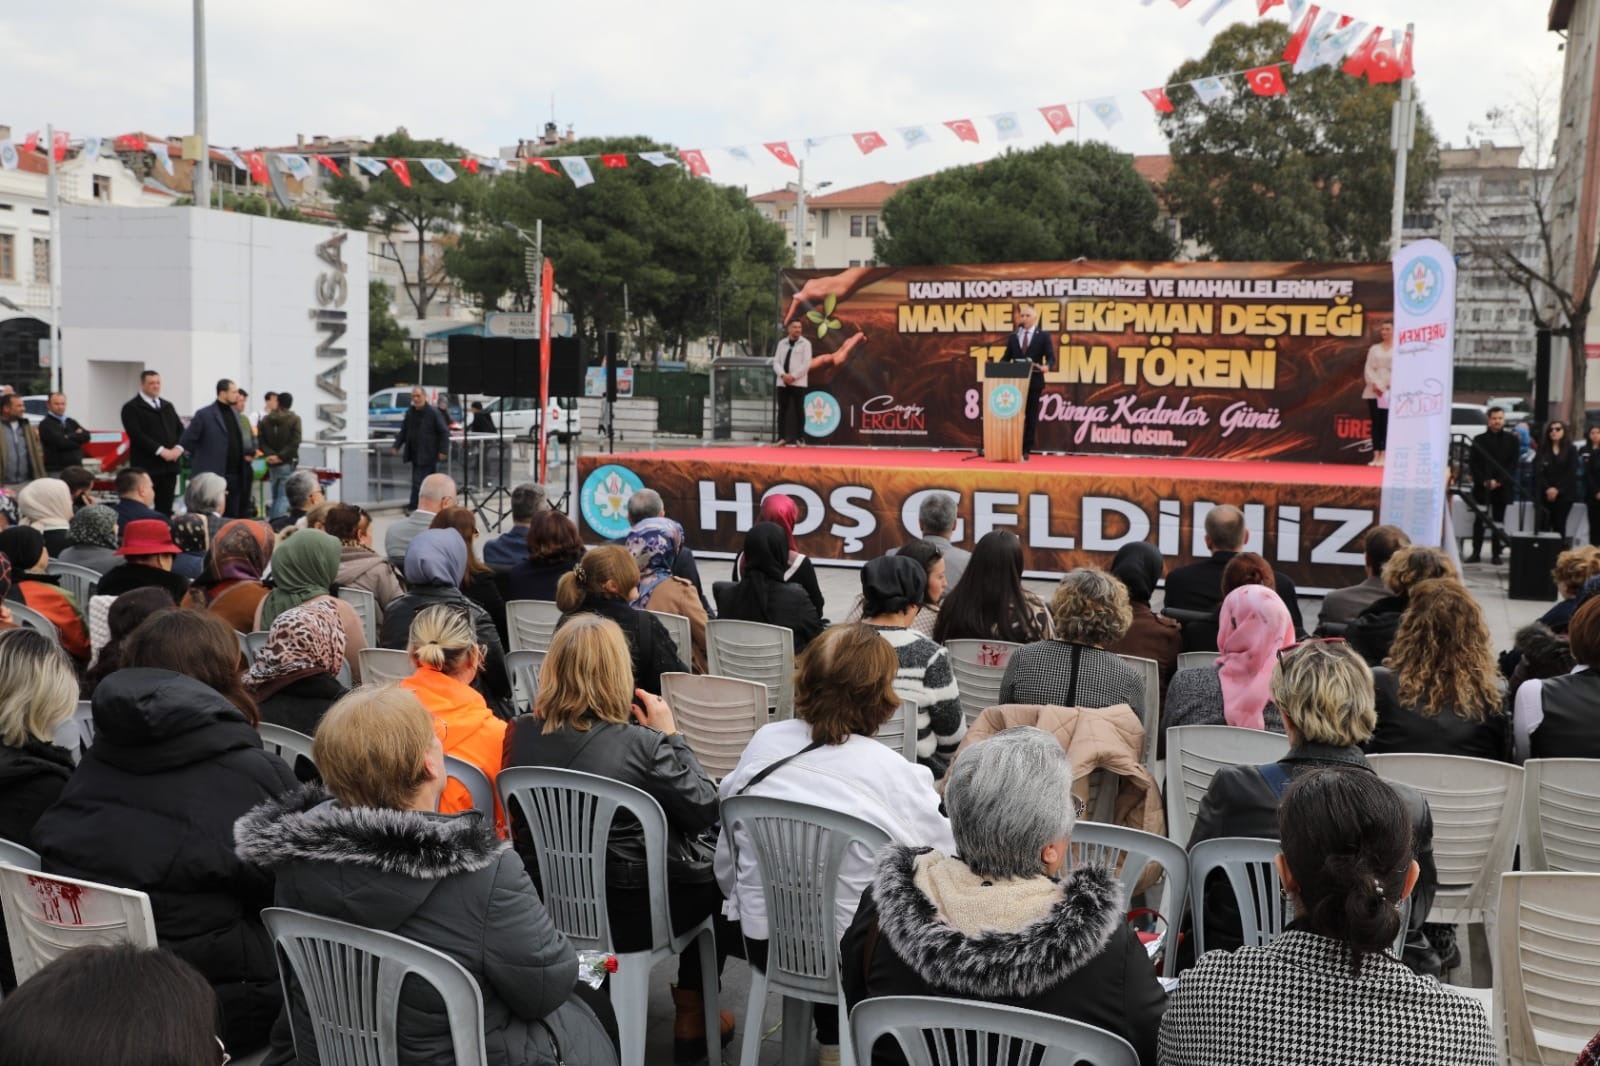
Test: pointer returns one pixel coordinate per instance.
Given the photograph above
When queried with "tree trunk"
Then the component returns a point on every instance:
(1578, 368)
(422, 300)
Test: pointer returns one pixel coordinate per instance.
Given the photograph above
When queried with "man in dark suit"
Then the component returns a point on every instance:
(61, 437)
(153, 428)
(135, 494)
(216, 445)
(1031, 344)
(424, 438)
(1493, 462)
(1198, 586)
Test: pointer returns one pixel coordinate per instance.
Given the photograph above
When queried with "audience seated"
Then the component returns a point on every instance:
(371, 850)
(436, 492)
(128, 611)
(1254, 627)
(38, 692)
(175, 761)
(1139, 565)
(589, 717)
(207, 496)
(232, 587)
(193, 537)
(112, 1005)
(782, 511)
(1440, 692)
(937, 517)
(1535, 654)
(892, 589)
(764, 593)
(1340, 607)
(446, 655)
(136, 497)
(80, 482)
(304, 568)
(505, 551)
(989, 602)
(1005, 918)
(604, 583)
(147, 552)
(92, 539)
(1324, 692)
(931, 558)
(1073, 668)
(825, 756)
(655, 544)
(554, 548)
(1373, 630)
(478, 585)
(1573, 569)
(647, 504)
(436, 563)
(32, 587)
(1198, 586)
(46, 505)
(295, 676)
(1327, 990)
(1555, 718)
(302, 491)
(359, 566)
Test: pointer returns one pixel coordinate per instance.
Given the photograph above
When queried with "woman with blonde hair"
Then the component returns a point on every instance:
(604, 582)
(373, 850)
(1439, 691)
(445, 651)
(38, 692)
(589, 716)
(1373, 630)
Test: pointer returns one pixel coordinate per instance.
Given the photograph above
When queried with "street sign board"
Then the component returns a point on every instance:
(524, 325)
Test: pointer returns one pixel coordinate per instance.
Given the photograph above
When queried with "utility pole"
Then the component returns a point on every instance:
(53, 200)
(800, 219)
(1402, 128)
(202, 166)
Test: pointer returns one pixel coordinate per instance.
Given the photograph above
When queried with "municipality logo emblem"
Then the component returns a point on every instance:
(604, 499)
(822, 414)
(1422, 285)
(1005, 401)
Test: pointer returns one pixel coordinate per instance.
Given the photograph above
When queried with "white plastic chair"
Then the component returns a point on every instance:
(80, 581)
(569, 816)
(524, 666)
(1547, 968)
(899, 733)
(1150, 673)
(682, 635)
(1128, 852)
(286, 743)
(1187, 659)
(253, 642)
(77, 733)
(379, 666)
(530, 624)
(1477, 810)
(32, 619)
(48, 915)
(799, 848)
(19, 855)
(1248, 864)
(971, 1033)
(350, 978)
(717, 715)
(754, 651)
(366, 608)
(1196, 752)
(1561, 815)
(475, 781)
(978, 666)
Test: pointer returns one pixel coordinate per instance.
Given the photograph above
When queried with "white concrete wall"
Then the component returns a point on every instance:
(202, 295)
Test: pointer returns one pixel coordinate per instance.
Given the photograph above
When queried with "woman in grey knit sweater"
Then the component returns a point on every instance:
(892, 591)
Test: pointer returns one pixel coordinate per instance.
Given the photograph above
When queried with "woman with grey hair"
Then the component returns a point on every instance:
(1072, 669)
(1004, 920)
(206, 495)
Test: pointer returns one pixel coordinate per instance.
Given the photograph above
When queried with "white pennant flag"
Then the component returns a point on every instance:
(1326, 44)
(1106, 110)
(496, 165)
(8, 155)
(441, 171)
(91, 148)
(1006, 126)
(741, 153)
(1209, 90)
(816, 142)
(913, 136)
(233, 157)
(577, 169)
(163, 155)
(295, 166)
(658, 159)
(375, 167)
(1211, 11)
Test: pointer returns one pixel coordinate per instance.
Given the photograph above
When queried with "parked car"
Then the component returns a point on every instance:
(1466, 420)
(386, 410)
(36, 407)
(518, 416)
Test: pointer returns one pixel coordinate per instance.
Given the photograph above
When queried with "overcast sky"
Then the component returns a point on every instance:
(706, 74)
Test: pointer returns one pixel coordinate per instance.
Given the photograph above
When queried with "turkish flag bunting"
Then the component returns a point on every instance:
(963, 129)
(470, 163)
(258, 167)
(328, 162)
(1297, 41)
(1387, 62)
(1266, 81)
(695, 160)
(869, 141)
(1263, 6)
(129, 142)
(544, 165)
(1059, 116)
(401, 171)
(1181, 3)
(780, 152)
(58, 147)
(30, 143)
(1158, 100)
(614, 160)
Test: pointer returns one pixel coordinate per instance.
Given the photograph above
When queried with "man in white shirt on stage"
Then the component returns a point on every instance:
(790, 362)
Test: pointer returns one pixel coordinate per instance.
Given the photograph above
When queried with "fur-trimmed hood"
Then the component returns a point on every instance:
(1014, 964)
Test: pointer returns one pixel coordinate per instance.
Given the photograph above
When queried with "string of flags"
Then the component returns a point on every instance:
(1322, 37)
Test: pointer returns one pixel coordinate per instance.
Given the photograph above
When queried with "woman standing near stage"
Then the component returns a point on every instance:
(1375, 389)
(1555, 469)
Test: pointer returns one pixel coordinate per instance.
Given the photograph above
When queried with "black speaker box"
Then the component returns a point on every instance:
(466, 365)
(566, 366)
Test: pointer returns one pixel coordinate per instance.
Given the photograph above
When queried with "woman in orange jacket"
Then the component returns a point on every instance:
(444, 649)
(34, 588)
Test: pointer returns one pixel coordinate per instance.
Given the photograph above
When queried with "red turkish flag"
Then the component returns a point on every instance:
(1266, 81)
(1355, 63)
(470, 163)
(543, 164)
(614, 160)
(1180, 3)
(30, 143)
(963, 129)
(1386, 64)
(126, 142)
(1263, 6)
(58, 146)
(869, 141)
(695, 160)
(258, 167)
(401, 171)
(780, 152)
(1158, 100)
(1297, 41)
(328, 162)
(1059, 116)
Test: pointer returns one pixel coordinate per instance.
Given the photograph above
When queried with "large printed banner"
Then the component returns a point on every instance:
(1199, 360)
(1423, 354)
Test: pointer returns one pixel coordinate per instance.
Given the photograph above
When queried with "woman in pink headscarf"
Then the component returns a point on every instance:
(1253, 627)
(784, 512)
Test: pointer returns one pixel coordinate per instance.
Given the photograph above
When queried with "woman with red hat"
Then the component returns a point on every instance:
(147, 552)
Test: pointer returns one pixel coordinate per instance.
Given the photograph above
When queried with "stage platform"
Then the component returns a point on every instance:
(1069, 510)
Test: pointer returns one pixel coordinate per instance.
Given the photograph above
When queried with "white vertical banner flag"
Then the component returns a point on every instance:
(1006, 126)
(1209, 90)
(440, 170)
(1106, 110)
(1417, 457)
(8, 155)
(233, 158)
(375, 167)
(577, 169)
(658, 159)
(91, 149)
(913, 136)
(295, 166)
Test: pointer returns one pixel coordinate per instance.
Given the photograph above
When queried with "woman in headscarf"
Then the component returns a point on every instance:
(783, 512)
(655, 544)
(1138, 565)
(46, 505)
(192, 533)
(478, 584)
(1253, 627)
(764, 594)
(303, 571)
(32, 587)
(232, 584)
(92, 539)
(295, 676)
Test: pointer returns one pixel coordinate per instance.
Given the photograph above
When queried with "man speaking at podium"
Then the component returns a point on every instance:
(1030, 344)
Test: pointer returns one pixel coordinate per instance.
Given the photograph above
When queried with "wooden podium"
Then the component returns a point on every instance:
(1005, 407)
